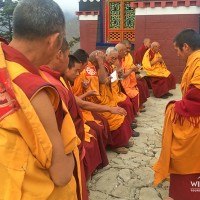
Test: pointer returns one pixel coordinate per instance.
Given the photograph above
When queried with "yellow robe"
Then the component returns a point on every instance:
(180, 141)
(158, 69)
(105, 97)
(26, 151)
(129, 83)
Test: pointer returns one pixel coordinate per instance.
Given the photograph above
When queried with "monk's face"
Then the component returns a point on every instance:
(156, 48)
(122, 51)
(147, 43)
(71, 74)
(128, 48)
(184, 52)
(112, 57)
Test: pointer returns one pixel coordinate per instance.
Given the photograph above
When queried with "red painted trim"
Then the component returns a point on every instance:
(177, 3)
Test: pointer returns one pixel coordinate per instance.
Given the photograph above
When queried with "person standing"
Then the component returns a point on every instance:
(181, 134)
(35, 161)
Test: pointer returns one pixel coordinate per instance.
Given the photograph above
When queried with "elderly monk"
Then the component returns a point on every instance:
(181, 133)
(141, 82)
(122, 99)
(128, 81)
(160, 78)
(37, 155)
(139, 53)
(95, 74)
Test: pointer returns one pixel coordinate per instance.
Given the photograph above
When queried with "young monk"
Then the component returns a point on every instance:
(89, 149)
(36, 160)
(160, 78)
(181, 134)
(119, 125)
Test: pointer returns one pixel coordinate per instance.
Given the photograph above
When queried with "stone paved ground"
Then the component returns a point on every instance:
(130, 176)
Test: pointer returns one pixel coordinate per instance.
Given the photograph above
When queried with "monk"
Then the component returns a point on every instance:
(95, 75)
(160, 78)
(52, 72)
(121, 98)
(141, 82)
(139, 53)
(181, 134)
(36, 159)
(128, 81)
(82, 56)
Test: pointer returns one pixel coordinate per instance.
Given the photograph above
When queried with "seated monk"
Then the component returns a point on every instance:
(94, 73)
(83, 56)
(139, 53)
(121, 98)
(141, 82)
(128, 81)
(160, 78)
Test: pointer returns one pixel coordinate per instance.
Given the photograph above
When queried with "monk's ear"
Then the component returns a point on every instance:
(54, 41)
(59, 55)
(186, 47)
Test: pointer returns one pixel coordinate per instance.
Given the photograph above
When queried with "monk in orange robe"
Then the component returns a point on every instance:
(37, 160)
(141, 82)
(128, 81)
(116, 88)
(160, 78)
(91, 156)
(116, 122)
(181, 134)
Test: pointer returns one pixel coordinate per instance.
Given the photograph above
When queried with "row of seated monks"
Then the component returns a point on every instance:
(101, 95)
(105, 93)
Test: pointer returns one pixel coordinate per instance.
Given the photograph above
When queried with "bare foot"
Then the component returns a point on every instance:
(168, 198)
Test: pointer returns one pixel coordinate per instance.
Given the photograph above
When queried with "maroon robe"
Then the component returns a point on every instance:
(161, 85)
(54, 78)
(143, 91)
(30, 82)
(138, 55)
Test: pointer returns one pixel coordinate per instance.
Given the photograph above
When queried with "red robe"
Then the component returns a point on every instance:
(93, 156)
(143, 91)
(138, 55)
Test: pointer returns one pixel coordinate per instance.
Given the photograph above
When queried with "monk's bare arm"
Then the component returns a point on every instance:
(102, 73)
(62, 165)
(99, 108)
(88, 94)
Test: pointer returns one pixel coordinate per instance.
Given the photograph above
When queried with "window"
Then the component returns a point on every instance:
(119, 21)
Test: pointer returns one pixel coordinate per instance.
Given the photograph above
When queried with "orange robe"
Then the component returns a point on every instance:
(181, 134)
(26, 150)
(130, 83)
(90, 153)
(121, 98)
(160, 78)
(117, 123)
